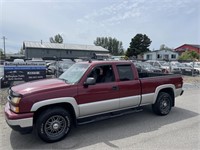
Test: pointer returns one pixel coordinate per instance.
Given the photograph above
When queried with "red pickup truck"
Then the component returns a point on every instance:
(86, 92)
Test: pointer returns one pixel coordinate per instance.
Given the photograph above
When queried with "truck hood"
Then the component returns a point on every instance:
(34, 86)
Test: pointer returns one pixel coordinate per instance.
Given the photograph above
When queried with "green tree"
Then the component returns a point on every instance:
(138, 45)
(112, 44)
(57, 39)
(189, 55)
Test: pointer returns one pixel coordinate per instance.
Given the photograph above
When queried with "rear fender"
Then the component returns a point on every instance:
(161, 87)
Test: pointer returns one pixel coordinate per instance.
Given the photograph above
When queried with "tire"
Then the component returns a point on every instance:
(53, 124)
(163, 104)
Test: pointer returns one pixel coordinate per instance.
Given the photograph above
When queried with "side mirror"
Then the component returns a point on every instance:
(90, 81)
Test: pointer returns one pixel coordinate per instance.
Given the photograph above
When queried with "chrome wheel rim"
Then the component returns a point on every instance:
(55, 125)
(165, 105)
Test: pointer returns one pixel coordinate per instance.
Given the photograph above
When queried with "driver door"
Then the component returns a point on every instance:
(100, 97)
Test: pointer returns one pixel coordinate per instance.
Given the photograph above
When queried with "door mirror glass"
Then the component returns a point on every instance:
(90, 81)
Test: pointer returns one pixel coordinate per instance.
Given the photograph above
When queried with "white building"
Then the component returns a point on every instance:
(161, 55)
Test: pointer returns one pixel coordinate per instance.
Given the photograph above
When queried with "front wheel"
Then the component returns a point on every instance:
(53, 124)
(162, 105)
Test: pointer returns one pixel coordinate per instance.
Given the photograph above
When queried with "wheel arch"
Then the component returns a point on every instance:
(167, 88)
(66, 106)
(68, 103)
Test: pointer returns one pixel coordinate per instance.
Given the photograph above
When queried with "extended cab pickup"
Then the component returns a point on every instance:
(85, 92)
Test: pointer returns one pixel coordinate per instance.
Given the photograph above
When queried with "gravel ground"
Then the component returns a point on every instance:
(189, 83)
(3, 95)
(192, 80)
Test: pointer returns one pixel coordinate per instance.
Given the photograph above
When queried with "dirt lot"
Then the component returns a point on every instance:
(192, 80)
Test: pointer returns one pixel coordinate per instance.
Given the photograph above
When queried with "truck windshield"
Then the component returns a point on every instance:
(74, 73)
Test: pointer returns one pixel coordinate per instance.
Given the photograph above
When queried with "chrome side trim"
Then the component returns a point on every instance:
(151, 97)
(27, 122)
(129, 101)
(107, 112)
(69, 100)
(89, 109)
(98, 107)
(147, 99)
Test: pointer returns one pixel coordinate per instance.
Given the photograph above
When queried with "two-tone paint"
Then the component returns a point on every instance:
(90, 100)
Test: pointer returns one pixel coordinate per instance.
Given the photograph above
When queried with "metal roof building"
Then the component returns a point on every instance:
(50, 50)
(188, 47)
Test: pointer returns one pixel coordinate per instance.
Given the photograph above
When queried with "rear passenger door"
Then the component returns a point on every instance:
(129, 88)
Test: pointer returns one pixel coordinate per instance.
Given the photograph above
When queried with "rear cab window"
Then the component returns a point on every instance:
(125, 72)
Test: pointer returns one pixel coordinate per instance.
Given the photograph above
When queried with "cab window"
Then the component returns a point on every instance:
(125, 72)
(103, 74)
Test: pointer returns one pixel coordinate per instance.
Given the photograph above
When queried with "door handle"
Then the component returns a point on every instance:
(115, 88)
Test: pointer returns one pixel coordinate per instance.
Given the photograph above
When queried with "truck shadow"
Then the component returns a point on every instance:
(105, 131)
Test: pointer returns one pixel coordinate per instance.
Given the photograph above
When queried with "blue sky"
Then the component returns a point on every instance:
(169, 22)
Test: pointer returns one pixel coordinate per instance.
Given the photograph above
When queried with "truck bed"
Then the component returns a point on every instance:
(151, 74)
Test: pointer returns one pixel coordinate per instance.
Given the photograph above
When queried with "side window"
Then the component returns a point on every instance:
(125, 72)
(103, 74)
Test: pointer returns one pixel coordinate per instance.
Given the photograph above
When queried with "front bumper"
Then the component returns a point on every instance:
(22, 123)
(179, 92)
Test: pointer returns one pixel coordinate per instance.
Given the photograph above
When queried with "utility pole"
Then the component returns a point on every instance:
(4, 46)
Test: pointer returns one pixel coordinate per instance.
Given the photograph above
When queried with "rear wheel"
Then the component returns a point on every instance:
(163, 104)
(53, 124)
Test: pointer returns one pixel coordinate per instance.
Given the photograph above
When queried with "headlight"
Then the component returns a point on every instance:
(15, 100)
(14, 108)
(14, 104)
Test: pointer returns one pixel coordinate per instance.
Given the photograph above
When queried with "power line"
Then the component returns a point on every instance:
(4, 45)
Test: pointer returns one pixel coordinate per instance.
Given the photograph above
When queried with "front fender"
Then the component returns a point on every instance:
(69, 100)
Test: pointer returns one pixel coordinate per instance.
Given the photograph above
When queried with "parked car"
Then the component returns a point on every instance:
(63, 66)
(146, 67)
(174, 68)
(159, 64)
(196, 66)
(51, 67)
(187, 69)
(166, 67)
(53, 106)
(18, 60)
